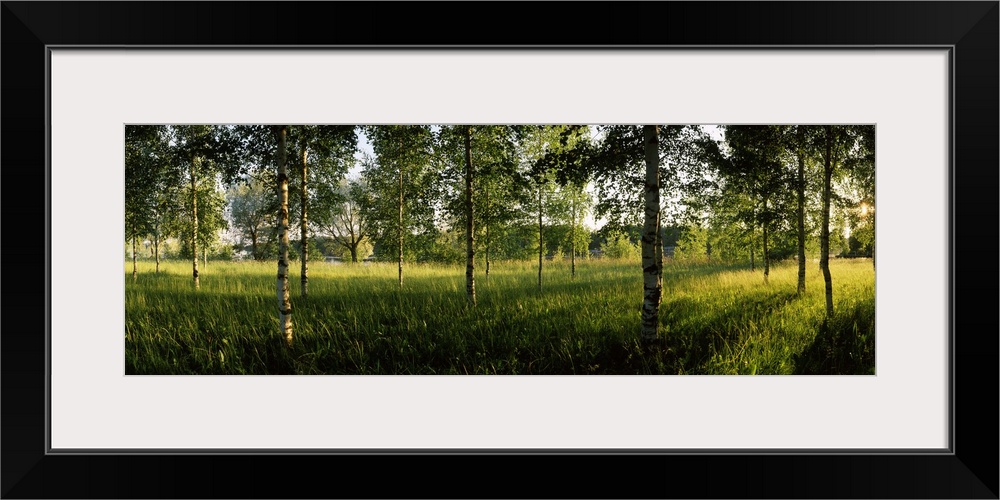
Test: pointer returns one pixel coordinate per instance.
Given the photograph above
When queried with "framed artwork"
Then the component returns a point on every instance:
(78, 423)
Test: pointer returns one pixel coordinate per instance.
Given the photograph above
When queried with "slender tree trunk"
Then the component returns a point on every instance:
(204, 255)
(284, 301)
(156, 250)
(540, 247)
(194, 224)
(659, 248)
(824, 235)
(489, 210)
(253, 245)
(135, 270)
(352, 241)
(753, 265)
(470, 277)
(801, 188)
(767, 260)
(303, 225)
(652, 269)
(572, 237)
(400, 255)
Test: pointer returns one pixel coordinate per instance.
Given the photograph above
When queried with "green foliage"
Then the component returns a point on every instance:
(448, 247)
(253, 209)
(518, 241)
(693, 244)
(334, 247)
(211, 215)
(149, 180)
(341, 215)
(501, 191)
(399, 176)
(223, 252)
(315, 251)
(618, 246)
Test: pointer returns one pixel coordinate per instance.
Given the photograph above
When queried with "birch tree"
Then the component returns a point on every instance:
(470, 249)
(284, 300)
(539, 144)
(757, 168)
(843, 146)
(471, 154)
(164, 215)
(625, 162)
(800, 145)
(211, 216)
(398, 177)
(829, 163)
(203, 151)
(652, 252)
(145, 176)
(580, 203)
(499, 212)
(330, 147)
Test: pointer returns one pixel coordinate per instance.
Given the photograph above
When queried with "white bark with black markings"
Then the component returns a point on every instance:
(194, 223)
(303, 225)
(284, 301)
(470, 251)
(652, 260)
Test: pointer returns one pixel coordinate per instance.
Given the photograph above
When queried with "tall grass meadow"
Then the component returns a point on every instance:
(714, 319)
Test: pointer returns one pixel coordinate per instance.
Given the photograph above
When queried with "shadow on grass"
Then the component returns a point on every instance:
(277, 357)
(692, 339)
(844, 345)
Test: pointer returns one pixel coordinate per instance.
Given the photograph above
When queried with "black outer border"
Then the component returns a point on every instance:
(970, 472)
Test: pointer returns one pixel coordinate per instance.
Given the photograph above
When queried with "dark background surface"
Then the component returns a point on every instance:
(971, 472)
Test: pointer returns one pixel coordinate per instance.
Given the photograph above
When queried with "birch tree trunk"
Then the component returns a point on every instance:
(652, 267)
(156, 248)
(194, 224)
(303, 221)
(659, 248)
(824, 234)
(801, 188)
(284, 301)
(572, 237)
(135, 271)
(400, 227)
(540, 251)
(767, 260)
(470, 278)
(489, 210)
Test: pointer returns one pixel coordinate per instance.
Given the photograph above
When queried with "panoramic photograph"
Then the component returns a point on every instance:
(439, 249)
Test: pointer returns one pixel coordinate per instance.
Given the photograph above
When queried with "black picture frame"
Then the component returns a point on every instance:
(970, 470)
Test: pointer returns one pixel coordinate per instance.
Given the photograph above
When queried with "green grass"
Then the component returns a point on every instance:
(715, 319)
